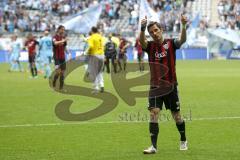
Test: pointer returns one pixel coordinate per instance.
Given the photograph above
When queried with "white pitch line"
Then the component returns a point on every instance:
(215, 118)
(110, 122)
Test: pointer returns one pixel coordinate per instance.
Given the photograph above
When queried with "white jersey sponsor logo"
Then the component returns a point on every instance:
(164, 53)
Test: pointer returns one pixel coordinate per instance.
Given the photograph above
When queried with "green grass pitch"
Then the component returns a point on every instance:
(210, 102)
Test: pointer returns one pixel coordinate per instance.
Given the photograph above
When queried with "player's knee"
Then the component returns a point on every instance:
(154, 113)
(177, 117)
(153, 117)
(179, 121)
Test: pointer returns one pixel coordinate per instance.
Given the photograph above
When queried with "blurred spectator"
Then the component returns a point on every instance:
(37, 15)
(229, 11)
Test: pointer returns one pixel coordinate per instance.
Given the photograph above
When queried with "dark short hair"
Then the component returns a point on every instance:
(154, 23)
(60, 27)
(94, 29)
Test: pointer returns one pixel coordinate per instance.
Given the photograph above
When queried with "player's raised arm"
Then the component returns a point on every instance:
(183, 35)
(143, 39)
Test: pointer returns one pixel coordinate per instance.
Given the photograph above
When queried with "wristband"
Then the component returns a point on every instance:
(143, 28)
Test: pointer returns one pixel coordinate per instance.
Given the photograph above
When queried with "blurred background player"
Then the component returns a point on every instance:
(110, 53)
(31, 44)
(122, 57)
(96, 59)
(38, 60)
(140, 55)
(59, 48)
(15, 49)
(45, 51)
(115, 38)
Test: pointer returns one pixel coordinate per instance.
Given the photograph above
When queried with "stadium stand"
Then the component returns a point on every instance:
(37, 15)
(119, 16)
(229, 14)
(214, 13)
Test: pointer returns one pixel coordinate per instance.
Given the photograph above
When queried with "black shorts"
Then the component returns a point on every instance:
(60, 63)
(171, 101)
(122, 57)
(31, 58)
(111, 56)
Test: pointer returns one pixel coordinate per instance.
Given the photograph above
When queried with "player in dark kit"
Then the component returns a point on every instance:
(162, 60)
(122, 57)
(31, 44)
(110, 53)
(140, 55)
(59, 47)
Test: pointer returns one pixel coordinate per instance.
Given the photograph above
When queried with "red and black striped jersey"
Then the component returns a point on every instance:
(162, 61)
(138, 47)
(31, 46)
(123, 43)
(59, 50)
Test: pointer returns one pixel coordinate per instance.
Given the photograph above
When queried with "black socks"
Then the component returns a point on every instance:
(55, 79)
(154, 130)
(61, 82)
(181, 129)
(34, 71)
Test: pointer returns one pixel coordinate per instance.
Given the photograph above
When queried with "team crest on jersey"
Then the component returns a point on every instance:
(164, 53)
(166, 46)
